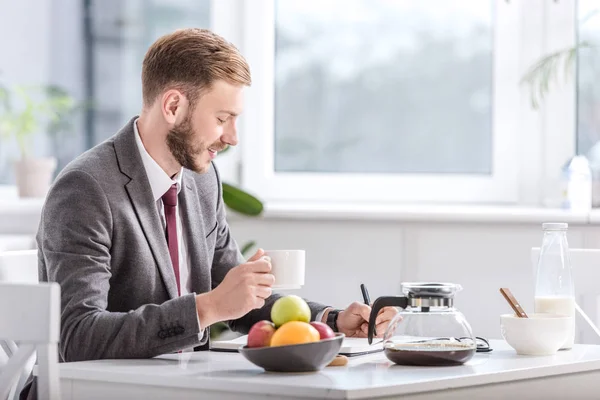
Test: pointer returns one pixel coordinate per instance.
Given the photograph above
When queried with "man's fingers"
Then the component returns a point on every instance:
(265, 279)
(259, 253)
(386, 314)
(263, 292)
(262, 265)
(381, 328)
(364, 329)
(259, 302)
(363, 310)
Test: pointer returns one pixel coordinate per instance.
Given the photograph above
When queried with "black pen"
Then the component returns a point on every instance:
(367, 300)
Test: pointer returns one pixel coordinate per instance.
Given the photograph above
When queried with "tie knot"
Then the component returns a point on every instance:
(170, 198)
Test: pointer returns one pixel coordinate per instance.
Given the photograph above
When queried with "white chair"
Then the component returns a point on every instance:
(20, 266)
(30, 315)
(17, 242)
(586, 276)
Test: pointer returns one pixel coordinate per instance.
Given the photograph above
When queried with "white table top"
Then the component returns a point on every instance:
(363, 377)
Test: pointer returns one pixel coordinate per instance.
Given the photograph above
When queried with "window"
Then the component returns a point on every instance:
(383, 87)
(93, 49)
(356, 100)
(588, 71)
(120, 34)
(378, 100)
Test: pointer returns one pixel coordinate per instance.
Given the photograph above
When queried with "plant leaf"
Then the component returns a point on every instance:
(226, 149)
(587, 17)
(38, 109)
(5, 98)
(539, 75)
(240, 201)
(246, 248)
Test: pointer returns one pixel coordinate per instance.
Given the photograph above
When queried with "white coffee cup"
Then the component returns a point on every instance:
(287, 267)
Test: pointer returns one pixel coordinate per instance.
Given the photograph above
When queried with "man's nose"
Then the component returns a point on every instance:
(230, 136)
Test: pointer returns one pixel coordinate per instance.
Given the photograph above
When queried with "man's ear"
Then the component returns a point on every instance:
(174, 106)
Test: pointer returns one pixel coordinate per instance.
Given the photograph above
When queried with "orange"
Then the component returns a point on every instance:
(294, 332)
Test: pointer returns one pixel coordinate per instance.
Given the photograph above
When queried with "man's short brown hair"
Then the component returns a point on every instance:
(190, 60)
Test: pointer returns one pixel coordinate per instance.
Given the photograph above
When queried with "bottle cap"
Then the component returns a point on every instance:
(555, 226)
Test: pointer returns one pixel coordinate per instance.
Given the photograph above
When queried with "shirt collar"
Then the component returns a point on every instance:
(160, 182)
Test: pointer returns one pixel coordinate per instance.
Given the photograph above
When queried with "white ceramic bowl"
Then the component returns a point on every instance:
(538, 335)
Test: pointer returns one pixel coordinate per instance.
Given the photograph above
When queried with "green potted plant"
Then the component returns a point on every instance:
(545, 71)
(560, 65)
(27, 111)
(246, 204)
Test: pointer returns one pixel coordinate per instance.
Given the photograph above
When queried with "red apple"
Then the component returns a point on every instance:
(260, 334)
(324, 330)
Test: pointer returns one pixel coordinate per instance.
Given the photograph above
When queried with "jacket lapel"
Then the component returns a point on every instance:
(191, 215)
(140, 194)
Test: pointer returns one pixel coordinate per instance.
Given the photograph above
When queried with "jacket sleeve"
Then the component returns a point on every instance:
(227, 255)
(74, 241)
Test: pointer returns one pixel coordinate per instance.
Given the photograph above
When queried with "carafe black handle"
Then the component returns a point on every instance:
(381, 302)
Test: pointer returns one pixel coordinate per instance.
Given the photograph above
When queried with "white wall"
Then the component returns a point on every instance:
(25, 42)
(384, 250)
(24, 52)
(482, 257)
(41, 42)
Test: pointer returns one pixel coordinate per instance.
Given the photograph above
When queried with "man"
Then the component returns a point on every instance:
(134, 230)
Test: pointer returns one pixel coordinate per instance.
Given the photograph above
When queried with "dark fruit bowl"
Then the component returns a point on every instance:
(306, 357)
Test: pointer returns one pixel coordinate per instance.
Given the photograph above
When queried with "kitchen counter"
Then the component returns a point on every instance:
(496, 375)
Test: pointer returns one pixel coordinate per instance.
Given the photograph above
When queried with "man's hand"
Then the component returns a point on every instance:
(354, 320)
(243, 289)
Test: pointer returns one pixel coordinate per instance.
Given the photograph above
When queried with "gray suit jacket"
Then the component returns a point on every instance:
(101, 239)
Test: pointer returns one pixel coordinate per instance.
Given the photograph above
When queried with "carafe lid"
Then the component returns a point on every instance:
(430, 289)
(555, 226)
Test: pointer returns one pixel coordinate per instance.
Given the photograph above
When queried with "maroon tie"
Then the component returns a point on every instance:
(170, 201)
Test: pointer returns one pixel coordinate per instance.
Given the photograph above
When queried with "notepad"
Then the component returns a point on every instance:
(350, 346)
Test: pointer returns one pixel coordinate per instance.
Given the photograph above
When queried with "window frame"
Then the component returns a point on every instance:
(258, 173)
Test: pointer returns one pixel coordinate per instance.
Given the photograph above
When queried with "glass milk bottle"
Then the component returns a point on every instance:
(554, 290)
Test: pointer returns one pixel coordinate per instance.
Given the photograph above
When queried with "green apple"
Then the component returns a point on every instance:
(290, 308)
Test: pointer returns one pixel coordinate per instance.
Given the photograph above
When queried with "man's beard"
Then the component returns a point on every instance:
(180, 140)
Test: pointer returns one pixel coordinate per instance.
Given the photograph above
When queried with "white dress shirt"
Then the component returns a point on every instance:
(160, 183)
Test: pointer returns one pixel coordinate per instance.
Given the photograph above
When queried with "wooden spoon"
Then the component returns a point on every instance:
(513, 303)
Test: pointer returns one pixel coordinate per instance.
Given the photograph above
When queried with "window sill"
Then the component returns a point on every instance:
(22, 215)
(595, 217)
(10, 201)
(425, 213)
(18, 216)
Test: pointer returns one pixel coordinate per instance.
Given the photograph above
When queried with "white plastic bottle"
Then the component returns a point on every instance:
(554, 288)
(577, 184)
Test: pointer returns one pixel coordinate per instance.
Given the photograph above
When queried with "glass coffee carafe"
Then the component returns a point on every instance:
(428, 330)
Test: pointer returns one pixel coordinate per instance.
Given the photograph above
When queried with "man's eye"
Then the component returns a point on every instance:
(222, 121)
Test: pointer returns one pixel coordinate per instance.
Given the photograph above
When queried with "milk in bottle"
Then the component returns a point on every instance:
(554, 289)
